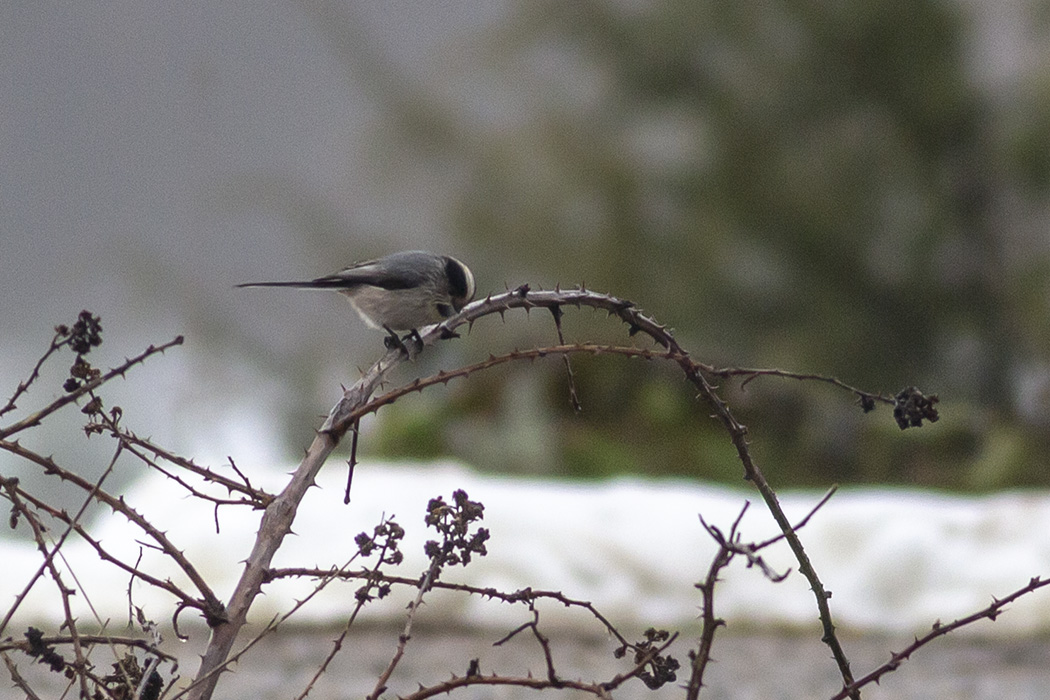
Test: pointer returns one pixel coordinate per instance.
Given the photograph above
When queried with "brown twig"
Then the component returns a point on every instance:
(939, 630)
(524, 595)
(63, 590)
(57, 342)
(137, 446)
(406, 633)
(600, 690)
(709, 621)
(801, 523)
(390, 534)
(92, 640)
(209, 605)
(66, 399)
(574, 397)
(16, 677)
(728, 547)
(62, 516)
(280, 513)
(866, 398)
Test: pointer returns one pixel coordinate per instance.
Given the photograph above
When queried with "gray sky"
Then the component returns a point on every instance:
(152, 155)
(134, 131)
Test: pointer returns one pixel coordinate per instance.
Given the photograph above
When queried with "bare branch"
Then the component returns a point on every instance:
(103, 554)
(574, 397)
(16, 677)
(279, 511)
(137, 446)
(7, 645)
(56, 344)
(35, 418)
(939, 630)
(867, 399)
(210, 605)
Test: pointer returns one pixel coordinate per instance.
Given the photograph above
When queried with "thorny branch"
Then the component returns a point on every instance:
(64, 591)
(87, 388)
(347, 411)
(525, 595)
(15, 491)
(83, 381)
(89, 640)
(251, 495)
(209, 604)
(728, 547)
(911, 408)
(600, 690)
(385, 541)
(939, 630)
(386, 537)
(59, 341)
(458, 545)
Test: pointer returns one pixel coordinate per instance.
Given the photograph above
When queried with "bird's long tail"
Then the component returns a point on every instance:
(322, 283)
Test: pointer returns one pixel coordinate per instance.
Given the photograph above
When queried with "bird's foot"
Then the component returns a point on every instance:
(414, 335)
(394, 341)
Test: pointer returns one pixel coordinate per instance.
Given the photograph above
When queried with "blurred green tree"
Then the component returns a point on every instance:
(811, 185)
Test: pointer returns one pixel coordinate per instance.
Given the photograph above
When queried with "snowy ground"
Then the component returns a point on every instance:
(896, 561)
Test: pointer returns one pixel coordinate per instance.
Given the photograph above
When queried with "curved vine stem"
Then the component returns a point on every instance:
(280, 513)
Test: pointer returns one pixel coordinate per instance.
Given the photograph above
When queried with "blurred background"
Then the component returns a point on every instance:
(855, 188)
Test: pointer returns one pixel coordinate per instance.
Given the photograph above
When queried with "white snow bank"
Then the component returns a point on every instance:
(895, 560)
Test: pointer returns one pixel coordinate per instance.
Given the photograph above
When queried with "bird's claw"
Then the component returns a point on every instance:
(393, 341)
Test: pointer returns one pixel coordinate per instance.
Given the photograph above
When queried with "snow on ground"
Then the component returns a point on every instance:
(895, 560)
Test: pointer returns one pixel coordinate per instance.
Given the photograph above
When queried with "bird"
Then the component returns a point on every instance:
(403, 291)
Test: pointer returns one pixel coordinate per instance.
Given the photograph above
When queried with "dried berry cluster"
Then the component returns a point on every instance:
(911, 407)
(386, 538)
(43, 653)
(453, 521)
(663, 668)
(127, 676)
(85, 334)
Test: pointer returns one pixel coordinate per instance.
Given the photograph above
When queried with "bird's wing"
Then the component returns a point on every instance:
(372, 273)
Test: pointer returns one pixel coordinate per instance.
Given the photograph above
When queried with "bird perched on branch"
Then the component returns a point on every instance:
(399, 292)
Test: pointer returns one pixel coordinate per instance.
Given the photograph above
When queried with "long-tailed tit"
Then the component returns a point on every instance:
(398, 292)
